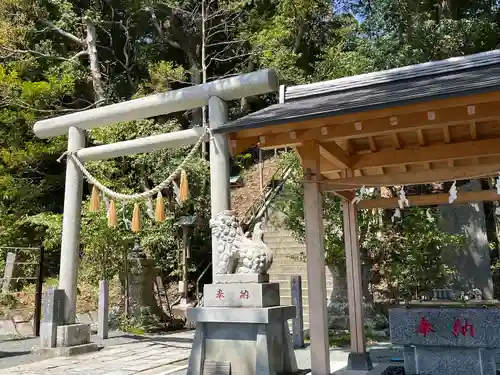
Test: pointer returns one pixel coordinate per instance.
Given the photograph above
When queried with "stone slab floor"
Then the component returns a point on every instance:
(125, 354)
(122, 355)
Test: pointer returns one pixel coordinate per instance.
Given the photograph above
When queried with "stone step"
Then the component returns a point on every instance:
(284, 244)
(297, 269)
(288, 300)
(284, 279)
(277, 261)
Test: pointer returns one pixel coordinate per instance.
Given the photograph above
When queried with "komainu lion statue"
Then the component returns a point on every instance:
(237, 253)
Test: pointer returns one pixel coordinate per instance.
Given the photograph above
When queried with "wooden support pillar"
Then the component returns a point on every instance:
(316, 277)
(359, 359)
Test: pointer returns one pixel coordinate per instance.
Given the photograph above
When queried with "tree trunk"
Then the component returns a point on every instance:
(95, 70)
(338, 310)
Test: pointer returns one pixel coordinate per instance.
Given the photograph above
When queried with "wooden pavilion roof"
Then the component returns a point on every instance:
(432, 122)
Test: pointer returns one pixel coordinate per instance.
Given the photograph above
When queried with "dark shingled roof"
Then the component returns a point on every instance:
(449, 78)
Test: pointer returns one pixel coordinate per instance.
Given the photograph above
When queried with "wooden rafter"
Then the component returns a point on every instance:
(395, 139)
(374, 127)
(473, 130)
(421, 138)
(373, 146)
(430, 199)
(446, 133)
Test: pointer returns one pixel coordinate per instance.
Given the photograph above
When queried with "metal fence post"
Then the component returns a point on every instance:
(298, 321)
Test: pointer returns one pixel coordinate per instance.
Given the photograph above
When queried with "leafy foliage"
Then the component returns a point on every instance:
(48, 68)
(404, 257)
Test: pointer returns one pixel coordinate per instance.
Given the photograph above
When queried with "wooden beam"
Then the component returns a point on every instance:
(431, 199)
(421, 138)
(395, 139)
(416, 121)
(353, 278)
(373, 146)
(452, 151)
(406, 116)
(414, 177)
(342, 127)
(350, 147)
(310, 158)
(334, 154)
(446, 133)
(346, 195)
(239, 145)
(314, 239)
(473, 131)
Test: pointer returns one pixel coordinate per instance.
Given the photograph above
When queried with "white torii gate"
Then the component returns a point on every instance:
(215, 94)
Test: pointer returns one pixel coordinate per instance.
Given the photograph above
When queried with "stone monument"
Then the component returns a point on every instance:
(447, 338)
(241, 329)
(142, 273)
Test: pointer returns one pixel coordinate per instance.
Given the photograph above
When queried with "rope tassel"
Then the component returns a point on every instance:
(136, 218)
(183, 187)
(95, 200)
(112, 220)
(160, 208)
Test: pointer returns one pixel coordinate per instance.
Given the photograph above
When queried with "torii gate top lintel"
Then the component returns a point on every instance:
(237, 87)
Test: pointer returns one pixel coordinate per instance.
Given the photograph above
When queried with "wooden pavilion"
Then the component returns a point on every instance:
(426, 123)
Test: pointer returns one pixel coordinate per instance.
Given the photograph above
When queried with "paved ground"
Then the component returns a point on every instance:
(125, 354)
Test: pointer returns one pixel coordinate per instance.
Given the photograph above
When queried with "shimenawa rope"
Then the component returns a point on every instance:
(133, 197)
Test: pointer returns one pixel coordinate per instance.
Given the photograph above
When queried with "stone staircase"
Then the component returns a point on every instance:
(284, 267)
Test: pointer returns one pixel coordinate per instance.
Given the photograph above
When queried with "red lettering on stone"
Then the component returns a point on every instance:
(458, 328)
(424, 327)
(244, 294)
(220, 294)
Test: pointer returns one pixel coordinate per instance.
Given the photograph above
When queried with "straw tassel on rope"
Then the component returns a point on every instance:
(136, 219)
(160, 208)
(183, 187)
(95, 200)
(112, 220)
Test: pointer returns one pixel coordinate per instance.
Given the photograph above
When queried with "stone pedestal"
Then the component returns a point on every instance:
(242, 330)
(447, 340)
(57, 338)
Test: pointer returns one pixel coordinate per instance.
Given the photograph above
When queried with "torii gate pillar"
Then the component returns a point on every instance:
(70, 242)
(220, 193)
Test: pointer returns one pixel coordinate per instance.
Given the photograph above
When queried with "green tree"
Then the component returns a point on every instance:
(401, 258)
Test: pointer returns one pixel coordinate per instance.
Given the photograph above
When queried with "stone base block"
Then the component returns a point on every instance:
(65, 351)
(243, 278)
(261, 346)
(265, 315)
(241, 295)
(73, 335)
(435, 360)
(359, 362)
(68, 351)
